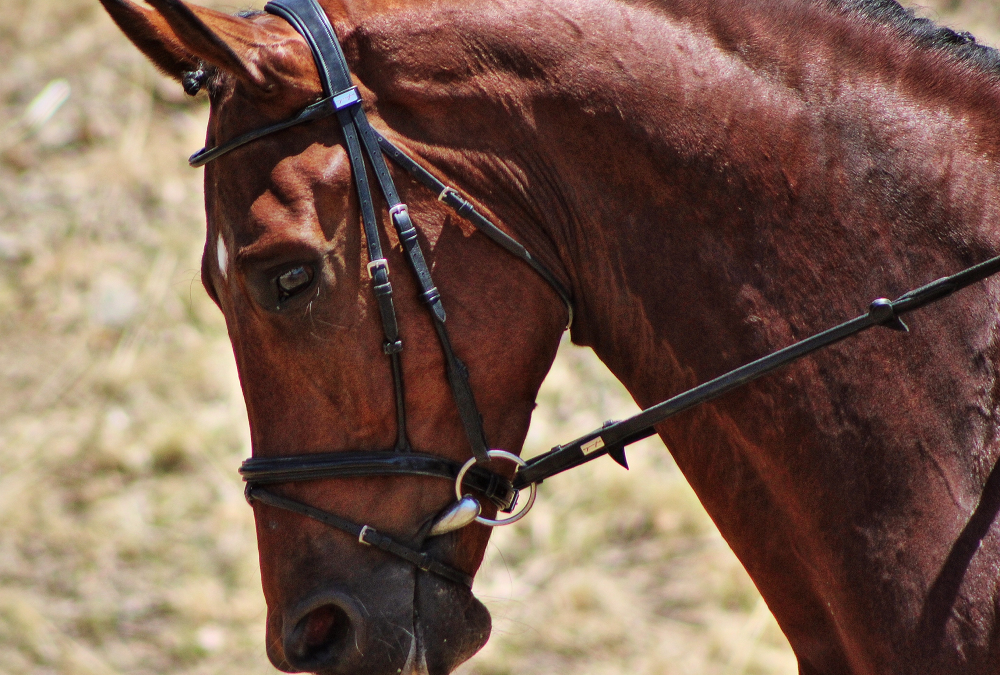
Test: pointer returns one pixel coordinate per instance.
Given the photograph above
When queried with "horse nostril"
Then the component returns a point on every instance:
(319, 638)
(322, 626)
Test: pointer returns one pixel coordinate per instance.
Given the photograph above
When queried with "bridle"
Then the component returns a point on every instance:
(365, 144)
(365, 147)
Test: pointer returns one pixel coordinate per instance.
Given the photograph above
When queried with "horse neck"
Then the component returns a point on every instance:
(710, 200)
(681, 172)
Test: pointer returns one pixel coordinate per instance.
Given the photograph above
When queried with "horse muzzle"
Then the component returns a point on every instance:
(395, 621)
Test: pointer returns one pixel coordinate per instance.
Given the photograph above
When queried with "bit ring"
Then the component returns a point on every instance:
(498, 454)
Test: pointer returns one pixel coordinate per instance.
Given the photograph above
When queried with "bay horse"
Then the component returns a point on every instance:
(711, 180)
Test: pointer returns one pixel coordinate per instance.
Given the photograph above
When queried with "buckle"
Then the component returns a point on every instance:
(375, 264)
(513, 503)
(365, 529)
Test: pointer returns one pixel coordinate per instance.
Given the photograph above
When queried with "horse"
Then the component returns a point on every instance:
(711, 180)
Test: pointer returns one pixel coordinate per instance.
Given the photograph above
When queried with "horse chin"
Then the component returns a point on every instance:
(451, 625)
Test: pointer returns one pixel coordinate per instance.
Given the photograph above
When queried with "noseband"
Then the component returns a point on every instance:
(341, 98)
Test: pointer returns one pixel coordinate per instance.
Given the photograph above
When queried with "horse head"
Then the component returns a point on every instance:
(699, 179)
(285, 259)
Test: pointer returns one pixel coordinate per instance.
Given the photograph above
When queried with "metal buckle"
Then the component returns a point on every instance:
(399, 208)
(445, 192)
(365, 529)
(375, 264)
(498, 454)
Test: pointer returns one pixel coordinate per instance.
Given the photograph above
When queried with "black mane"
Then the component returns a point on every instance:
(925, 32)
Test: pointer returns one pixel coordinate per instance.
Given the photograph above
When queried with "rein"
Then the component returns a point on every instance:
(341, 98)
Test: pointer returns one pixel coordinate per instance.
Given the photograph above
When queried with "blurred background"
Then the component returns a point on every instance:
(125, 543)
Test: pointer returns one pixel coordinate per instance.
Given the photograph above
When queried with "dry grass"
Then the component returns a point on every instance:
(126, 546)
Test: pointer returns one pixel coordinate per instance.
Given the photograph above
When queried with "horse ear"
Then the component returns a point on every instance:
(177, 37)
(153, 36)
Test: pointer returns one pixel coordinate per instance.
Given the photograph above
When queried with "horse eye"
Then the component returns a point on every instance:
(293, 281)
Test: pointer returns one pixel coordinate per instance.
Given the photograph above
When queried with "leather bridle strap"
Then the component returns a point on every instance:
(308, 19)
(316, 111)
(258, 471)
(614, 436)
(451, 197)
(446, 194)
(328, 106)
(365, 534)
(271, 470)
(362, 143)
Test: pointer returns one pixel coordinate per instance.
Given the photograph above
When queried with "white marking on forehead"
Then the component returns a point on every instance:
(220, 250)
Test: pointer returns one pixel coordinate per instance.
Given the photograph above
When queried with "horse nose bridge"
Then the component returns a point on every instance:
(322, 406)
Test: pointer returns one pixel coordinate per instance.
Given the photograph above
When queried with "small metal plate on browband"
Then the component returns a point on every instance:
(346, 98)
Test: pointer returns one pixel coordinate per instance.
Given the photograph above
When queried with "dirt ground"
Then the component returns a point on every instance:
(125, 543)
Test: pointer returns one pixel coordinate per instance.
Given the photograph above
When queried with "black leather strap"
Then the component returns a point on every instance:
(612, 439)
(450, 196)
(308, 18)
(316, 111)
(365, 147)
(364, 533)
(288, 469)
(342, 98)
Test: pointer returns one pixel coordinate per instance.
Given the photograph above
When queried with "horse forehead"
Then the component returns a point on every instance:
(305, 193)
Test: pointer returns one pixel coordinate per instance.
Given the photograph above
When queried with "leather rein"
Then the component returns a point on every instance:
(342, 99)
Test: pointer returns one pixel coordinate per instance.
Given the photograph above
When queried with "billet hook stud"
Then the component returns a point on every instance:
(882, 311)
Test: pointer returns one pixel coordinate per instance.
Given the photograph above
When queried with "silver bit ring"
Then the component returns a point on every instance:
(498, 454)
